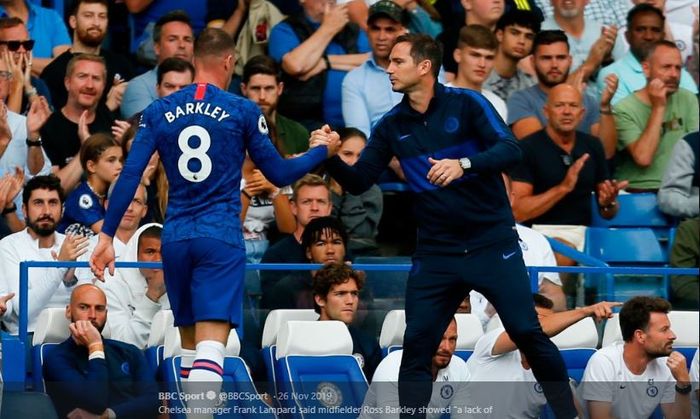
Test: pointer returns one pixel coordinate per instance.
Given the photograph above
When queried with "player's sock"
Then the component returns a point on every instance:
(205, 378)
(186, 360)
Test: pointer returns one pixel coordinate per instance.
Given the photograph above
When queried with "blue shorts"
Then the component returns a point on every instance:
(204, 278)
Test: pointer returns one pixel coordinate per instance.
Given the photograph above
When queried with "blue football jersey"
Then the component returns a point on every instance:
(202, 134)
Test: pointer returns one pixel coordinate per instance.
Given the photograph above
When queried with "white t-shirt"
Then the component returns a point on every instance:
(694, 380)
(608, 379)
(382, 399)
(500, 383)
(498, 103)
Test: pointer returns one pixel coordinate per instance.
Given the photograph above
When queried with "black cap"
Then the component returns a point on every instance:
(388, 9)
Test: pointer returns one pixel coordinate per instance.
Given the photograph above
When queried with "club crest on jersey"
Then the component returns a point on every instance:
(85, 201)
(262, 125)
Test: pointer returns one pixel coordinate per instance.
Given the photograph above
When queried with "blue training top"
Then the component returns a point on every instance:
(201, 134)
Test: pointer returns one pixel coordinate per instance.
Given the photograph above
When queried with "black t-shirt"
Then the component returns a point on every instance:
(60, 136)
(55, 73)
(544, 165)
(367, 346)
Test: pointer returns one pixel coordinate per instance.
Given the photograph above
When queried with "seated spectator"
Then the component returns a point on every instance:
(261, 84)
(324, 241)
(449, 376)
(101, 159)
(16, 50)
(51, 287)
(515, 32)
(10, 189)
(475, 54)
(90, 376)
(679, 195)
(607, 12)
(311, 198)
(46, 28)
(422, 17)
(336, 291)
(172, 37)
(477, 12)
(645, 368)
(645, 26)
(685, 253)
(499, 371)
(560, 169)
(552, 62)
(366, 91)
(135, 295)
(360, 214)
(68, 128)
(678, 31)
(88, 20)
(590, 42)
(315, 49)
(652, 120)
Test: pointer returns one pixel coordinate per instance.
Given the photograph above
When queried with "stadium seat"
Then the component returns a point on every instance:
(636, 210)
(162, 321)
(611, 332)
(469, 331)
(393, 328)
(385, 284)
(319, 377)
(276, 319)
(172, 344)
(577, 343)
(51, 329)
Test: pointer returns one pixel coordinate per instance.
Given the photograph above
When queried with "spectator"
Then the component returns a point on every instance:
(172, 37)
(135, 295)
(88, 376)
(67, 129)
(685, 253)
(45, 27)
(10, 188)
(89, 20)
(262, 85)
(315, 50)
(645, 27)
(590, 42)
(645, 367)
(607, 12)
(311, 198)
(560, 169)
(678, 31)
(515, 32)
(478, 12)
(336, 291)
(652, 120)
(449, 376)
(366, 90)
(422, 17)
(360, 214)
(679, 193)
(475, 55)
(552, 62)
(42, 202)
(101, 159)
(16, 50)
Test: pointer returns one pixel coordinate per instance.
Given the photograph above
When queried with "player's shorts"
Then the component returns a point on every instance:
(204, 279)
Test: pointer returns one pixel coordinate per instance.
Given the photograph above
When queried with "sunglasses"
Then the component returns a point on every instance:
(14, 45)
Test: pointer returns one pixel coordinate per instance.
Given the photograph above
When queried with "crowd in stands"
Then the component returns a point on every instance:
(602, 95)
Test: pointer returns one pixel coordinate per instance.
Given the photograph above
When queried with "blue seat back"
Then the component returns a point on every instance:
(633, 246)
(635, 210)
(39, 353)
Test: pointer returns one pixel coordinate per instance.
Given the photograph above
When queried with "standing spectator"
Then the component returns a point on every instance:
(679, 195)
(685, 253)
(89, 22)
(45, 27)
(315, 50)
(652, 120)
(607, 12)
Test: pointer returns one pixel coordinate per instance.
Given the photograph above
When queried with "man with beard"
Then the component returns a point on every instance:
(645, 26)
(88, 376)
(50, 287)
(652, 120)
(630, 379)
(552, 62)
(82, 115)
(88, 20)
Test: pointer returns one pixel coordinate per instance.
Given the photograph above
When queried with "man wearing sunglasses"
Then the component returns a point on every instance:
(44, 25)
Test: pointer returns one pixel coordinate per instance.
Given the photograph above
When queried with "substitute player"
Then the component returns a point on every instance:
(202, 134)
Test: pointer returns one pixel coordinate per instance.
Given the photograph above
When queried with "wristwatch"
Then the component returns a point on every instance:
(10, 210)
(683, 390)
(465, 163)
(35, 143)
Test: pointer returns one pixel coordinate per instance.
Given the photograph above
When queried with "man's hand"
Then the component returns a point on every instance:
(115, 94)
(569, 182)
(82, 414)
(602, 310)
(72, 248)
(611, 82)
(325, 136)
(102, 257)
(15, 185)
(119, 128)
(602, 46)
(444, 171)
(257, 183)
(85, 333)
(155, 285)
(39, 113)
(608, 191)
(657, 93)
(335, 17)
(3, 302)
(5, 131)
(679, 369)
(83, 131)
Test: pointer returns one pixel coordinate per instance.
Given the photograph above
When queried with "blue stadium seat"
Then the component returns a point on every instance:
(469, 331)
(385, 284)
(577, 344)
(161, 323)
(393, 328)
(319, 375)
(636, 210)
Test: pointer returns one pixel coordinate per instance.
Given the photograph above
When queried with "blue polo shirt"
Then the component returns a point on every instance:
(46, 27)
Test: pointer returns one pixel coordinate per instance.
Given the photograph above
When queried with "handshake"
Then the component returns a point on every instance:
(325, 136)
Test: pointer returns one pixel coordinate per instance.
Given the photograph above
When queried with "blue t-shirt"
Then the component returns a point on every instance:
(82, 209)
(202, 134)
(45, 27)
